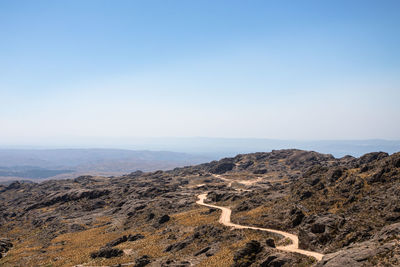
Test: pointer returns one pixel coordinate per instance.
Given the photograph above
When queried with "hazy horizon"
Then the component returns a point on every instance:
(313, 70)
(215, 148)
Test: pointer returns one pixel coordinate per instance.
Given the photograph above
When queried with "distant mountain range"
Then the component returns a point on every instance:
(67, 163)
(223, 147)
(30, 172)
(215, 148)
(149, 154)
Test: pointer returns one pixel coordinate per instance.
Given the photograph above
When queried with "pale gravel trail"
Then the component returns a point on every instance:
(245, 182)
(225, 219)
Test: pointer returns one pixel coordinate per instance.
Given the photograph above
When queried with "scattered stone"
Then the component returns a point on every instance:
(260, 171)
(123, 239)
(305, 195)
(142, 261)
(107, 252)
(177, 246)
(135, 237)
(77, 228)
(164, 219)
(150, 216)
(202, 251)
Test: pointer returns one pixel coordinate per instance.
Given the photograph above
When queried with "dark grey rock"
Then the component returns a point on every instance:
(202, 251)
(275, 260)
(165, 218)
(270, 242)
(247, 255)
(297, 216)
(5, 245)
(223, 167)
(142, 261)
(107, 253)
(317, 228)
(135, 237)
(77, 227)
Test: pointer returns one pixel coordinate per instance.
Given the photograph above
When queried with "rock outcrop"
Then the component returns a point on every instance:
(107, 252)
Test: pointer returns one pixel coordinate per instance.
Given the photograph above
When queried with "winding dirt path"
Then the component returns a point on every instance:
(245, 182)
(225, 219)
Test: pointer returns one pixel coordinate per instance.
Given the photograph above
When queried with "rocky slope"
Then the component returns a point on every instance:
(346, 208)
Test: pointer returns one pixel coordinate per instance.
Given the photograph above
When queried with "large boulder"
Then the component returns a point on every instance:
(247, 255)
(360, 254)
(270, 242)
(296, 216)
(381, 248)
(276, 260)
(391, 231)
(317, 232)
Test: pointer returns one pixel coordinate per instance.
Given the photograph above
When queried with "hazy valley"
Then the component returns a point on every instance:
(44, 164)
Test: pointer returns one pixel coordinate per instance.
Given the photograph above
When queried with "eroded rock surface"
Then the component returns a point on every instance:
(346, 208)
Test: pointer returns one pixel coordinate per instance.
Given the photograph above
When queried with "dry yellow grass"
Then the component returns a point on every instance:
(222, 258)
(252, 216)
(71, 249)
(74, 248)
(257, 212)
(65, 250)
(195, 218)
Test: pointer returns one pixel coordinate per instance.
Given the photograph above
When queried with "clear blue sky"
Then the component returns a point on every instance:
(267, 69)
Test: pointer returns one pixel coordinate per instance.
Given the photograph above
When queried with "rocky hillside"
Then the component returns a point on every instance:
(347, 209)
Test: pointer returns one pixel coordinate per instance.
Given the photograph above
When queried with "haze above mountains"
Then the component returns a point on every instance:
(150, 154)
